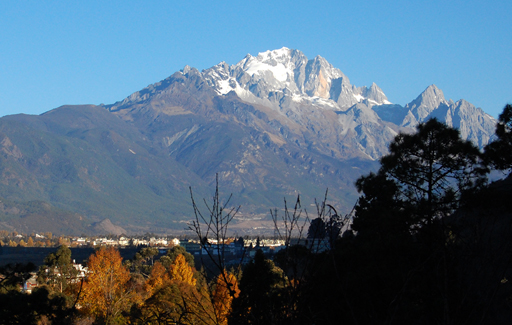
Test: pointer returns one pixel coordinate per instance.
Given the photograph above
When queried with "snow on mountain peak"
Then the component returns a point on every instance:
(290, 73)
(279, 70)
(313, 95)
(277, 64)
(282, 52)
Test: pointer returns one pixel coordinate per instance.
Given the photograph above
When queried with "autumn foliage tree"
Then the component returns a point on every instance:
(175, 296)
(105, 294)
(182, 272)
(226, 289)
(158, 278)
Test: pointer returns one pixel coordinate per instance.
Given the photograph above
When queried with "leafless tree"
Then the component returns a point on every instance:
(214, 225)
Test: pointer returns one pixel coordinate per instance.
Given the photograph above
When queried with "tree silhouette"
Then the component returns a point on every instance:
(317, 229)
(431, 169)
(260, 300)
(377, 212)
(499, 153)
(405, 242)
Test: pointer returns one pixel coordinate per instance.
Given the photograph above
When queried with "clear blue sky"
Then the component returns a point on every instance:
(90, 52)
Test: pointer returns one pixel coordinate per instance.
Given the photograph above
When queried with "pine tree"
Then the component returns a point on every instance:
(499, 152)
(430, 170)
(58, 271)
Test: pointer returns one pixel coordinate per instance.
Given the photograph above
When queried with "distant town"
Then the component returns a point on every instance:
(24, 248)
(47, 239)
(18, 249)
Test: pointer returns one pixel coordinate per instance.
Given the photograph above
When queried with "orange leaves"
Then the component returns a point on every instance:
(157, 279)
(180, 272)
(225, 290)
(175, 295)
(104, 294)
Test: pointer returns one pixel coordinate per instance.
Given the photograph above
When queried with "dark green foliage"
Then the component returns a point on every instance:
(499, 152)
(411, 259)
(294, 260)
(317, 229)
(176, 250)
(19, 308)
(58, 272)
(14, 275)
(431, 169)
(260, 300)
(400, 247)
(143, 260)
(378, 213)
(483, 250)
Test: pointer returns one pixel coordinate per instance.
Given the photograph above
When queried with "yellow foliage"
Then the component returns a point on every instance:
(175, 297)
(181, 271)
(177, 302)
(158, 278)
(225, 290)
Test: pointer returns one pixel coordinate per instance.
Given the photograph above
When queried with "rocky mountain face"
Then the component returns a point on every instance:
(316, 103)
(274, 75)
(271, 126)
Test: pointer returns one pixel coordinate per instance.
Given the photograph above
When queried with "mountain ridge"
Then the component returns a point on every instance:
(271, 126)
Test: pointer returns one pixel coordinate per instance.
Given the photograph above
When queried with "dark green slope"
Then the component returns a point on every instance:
(39, 217)
(86, 160)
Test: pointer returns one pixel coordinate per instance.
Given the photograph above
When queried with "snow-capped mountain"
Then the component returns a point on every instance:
(273, 75)
(321, 106)
(274, 122)
(286, 79)
(272, 125)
